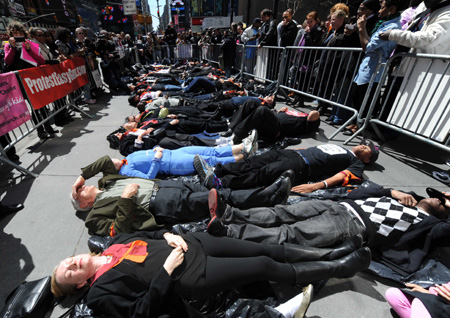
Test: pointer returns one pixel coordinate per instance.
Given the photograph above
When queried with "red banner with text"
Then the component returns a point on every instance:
(46, 84)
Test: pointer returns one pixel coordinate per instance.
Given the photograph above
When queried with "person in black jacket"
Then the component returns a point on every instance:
(288, 31)
(149, 273)
(228, 52)
(268, 31)
(400, 228)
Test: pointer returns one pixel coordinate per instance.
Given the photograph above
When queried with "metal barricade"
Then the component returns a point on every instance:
(213, 52)
(240, 51)
(264, 63)
(325, 74)
(415, 100)
(39, 118)
(187, 52)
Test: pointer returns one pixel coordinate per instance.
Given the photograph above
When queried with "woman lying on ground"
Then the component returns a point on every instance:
(141, 275)
(148, 164)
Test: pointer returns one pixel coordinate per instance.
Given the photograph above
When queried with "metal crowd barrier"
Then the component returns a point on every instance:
(415, 100)
(39, 117)
(186, 52)
(321, 73)
(212, 52)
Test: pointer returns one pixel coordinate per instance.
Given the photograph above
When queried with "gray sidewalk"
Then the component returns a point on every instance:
(35, 239)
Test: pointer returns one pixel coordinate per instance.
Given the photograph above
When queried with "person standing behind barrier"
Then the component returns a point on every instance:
(228, 52)
(374, 47)
(249, 37)
(330, 69)
(81, 39)
(300, 73)
(288, 30)
(170, 37)
(46, 130)
(268, 30)
(14, 62)
(428, 33)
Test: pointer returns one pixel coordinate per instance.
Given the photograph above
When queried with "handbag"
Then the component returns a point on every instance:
(30, 299)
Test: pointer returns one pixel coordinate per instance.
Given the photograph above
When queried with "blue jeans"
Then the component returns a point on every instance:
(309, 223)
(182, 159)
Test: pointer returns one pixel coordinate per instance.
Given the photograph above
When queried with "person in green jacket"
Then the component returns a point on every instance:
(122, 204)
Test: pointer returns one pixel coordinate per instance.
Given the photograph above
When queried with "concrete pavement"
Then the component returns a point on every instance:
(35, 239)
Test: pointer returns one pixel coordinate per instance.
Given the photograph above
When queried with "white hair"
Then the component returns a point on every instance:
(76, 204)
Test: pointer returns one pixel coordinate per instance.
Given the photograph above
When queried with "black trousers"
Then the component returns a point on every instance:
(262, 170)
(251, 115)
(231, 262)
(197, 125)
(178, 201)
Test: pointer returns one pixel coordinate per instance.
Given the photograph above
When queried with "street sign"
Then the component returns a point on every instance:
(129, 7)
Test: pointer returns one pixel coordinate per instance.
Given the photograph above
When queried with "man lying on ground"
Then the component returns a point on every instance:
(124, 204)
(400, 228)
(331, 163)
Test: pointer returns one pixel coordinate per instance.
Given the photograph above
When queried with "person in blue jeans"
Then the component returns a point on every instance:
(180, 162)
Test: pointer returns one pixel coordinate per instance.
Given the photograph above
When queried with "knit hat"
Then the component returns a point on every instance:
(373, 5)
(373, 148)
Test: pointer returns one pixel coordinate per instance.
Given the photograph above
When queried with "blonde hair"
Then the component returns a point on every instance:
(59, 290)
(340, 6)
(340, 14)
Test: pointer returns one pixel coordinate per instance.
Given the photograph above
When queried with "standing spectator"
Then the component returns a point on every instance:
(229, 52)
(240, 30)
(288, 30)
(268, 31)
(249, 37)
(82, 45)
(217, 37)
(389, 19)
(291, 12)
(170, 37)
(46, 130)
(14, 48)
(127, 41)
(50, 41)
(18, 41)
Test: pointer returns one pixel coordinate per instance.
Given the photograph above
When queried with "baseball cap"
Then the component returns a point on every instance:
(375, 150)
(257, 20)
(433, 193)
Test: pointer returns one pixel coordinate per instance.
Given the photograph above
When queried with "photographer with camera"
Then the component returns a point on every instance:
(17, 42)
(111, 75)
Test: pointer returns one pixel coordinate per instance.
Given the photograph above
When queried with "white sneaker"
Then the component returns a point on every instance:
(250, 144)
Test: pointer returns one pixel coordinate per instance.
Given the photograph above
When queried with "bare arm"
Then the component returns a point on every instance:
(337, 179)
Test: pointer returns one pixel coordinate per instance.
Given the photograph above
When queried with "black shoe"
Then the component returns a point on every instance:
(289, 174)
(52, 131)
(227, 133)
(282, 194)
(216, 205)
(44, 136)
(217, 228)
(298, 253)
(13, 156)
(345, 267)
(7, 209)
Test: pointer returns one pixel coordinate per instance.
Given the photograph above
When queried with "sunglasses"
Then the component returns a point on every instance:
(39, 35)
(285, 18)
(80, 33)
